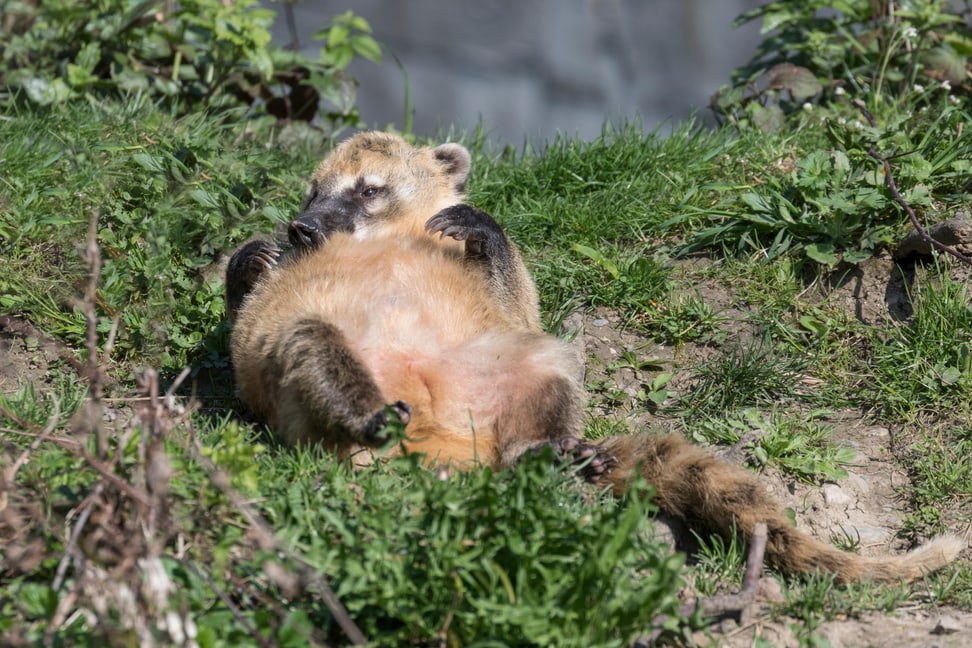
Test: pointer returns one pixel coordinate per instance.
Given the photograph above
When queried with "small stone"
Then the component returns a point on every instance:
(600, 321)
(870, 535)
(878, 432)
(834, 495)
(955, 232)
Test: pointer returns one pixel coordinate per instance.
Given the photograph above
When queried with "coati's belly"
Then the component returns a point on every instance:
(427, 332)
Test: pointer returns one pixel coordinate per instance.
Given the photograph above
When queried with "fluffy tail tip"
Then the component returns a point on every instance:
(938, 552)
(947, 546)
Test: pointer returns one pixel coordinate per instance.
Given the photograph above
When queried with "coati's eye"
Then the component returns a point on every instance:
(369, 192)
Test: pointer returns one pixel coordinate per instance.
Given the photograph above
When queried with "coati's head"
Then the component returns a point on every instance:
(377, 184)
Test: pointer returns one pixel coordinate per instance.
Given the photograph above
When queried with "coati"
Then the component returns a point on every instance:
(398, 301)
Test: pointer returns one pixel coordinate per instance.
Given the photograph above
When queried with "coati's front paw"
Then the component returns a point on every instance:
(245, 268)
(253, 259)
(592, 461)
(482, 234)
(377, 430)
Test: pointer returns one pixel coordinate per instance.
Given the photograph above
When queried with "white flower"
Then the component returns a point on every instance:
(839, 90)
(946, 85)
(911, 33)
(955, 100)
(858, 125)
(918, 88)
(807, 105)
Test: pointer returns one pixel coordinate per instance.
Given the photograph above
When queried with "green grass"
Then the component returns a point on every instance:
(590, 214)
(744, 374)
(798, 444)
(514, 557)
(942, 479)
(171, 195)
(923, 368)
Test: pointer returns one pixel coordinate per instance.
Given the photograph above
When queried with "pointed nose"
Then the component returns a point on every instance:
(303, 233)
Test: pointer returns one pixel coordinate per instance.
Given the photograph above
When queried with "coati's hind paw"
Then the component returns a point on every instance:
(376, 431)
(245, 268)
(592, 461)
(482, 234)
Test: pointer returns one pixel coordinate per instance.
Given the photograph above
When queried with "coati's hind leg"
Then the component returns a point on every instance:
(592, 461)
(326, 393)
(245, 268)
(551, 415)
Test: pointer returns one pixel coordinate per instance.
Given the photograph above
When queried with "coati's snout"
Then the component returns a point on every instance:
(305, 231)
(312, 228)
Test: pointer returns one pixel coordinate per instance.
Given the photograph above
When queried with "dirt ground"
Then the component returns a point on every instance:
(867, 504)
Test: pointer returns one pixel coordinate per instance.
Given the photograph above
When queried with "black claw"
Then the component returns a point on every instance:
(591, 461)
(247, 265)
(377, 431)
(483, 235)
(267, 259)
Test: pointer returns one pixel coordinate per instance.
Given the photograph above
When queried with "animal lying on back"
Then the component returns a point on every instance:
(399, 301)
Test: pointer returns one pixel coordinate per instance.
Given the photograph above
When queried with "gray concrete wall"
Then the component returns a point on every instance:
(531, 68)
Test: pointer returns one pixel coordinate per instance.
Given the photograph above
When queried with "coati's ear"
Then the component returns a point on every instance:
(457, 162)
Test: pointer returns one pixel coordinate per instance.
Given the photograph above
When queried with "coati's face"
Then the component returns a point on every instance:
(377, 184)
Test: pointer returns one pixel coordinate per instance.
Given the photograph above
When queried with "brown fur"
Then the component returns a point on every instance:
(378, 318)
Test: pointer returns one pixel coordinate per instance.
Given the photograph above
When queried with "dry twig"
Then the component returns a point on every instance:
(715, 608)
(92, 256)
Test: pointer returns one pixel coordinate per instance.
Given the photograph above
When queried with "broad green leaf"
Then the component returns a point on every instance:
(822, 253)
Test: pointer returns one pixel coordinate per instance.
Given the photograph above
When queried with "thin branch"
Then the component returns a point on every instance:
(64, 606)
(92, 256)
(898, 198)
(69, 551)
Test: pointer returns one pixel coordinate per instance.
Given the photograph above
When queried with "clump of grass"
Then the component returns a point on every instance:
(941, 478)
(718, 564)
(799, 445)
(685, 317)
(924, 366)
(744, 374)
(480, 556)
